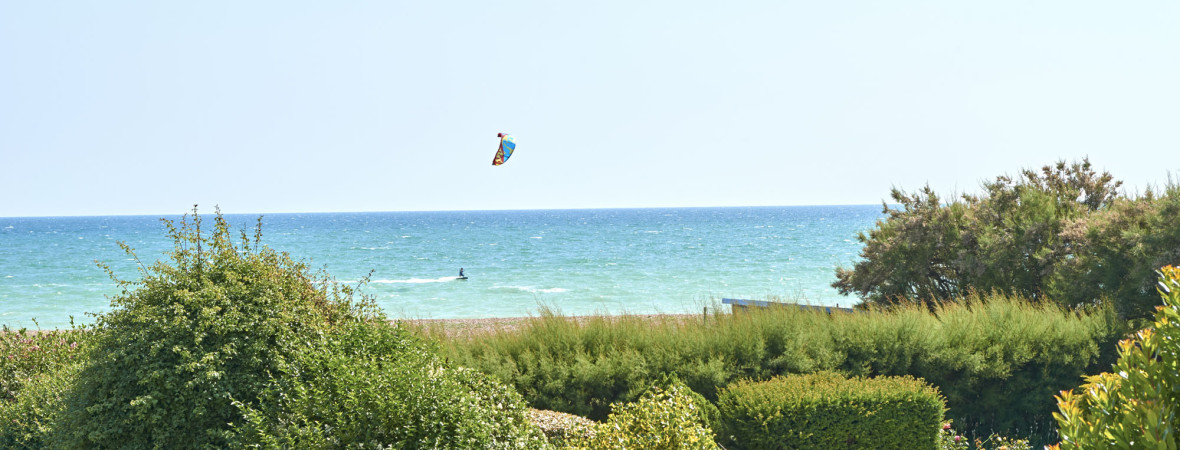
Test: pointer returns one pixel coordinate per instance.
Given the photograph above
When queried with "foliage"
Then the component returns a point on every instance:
(1116, 252)
(181, 344)
(998, 360)
(28, 353)
(826, 410)
(561, 429)
(708, 412)
(36, 370)
(1135, 405)
(664, 418)
(1008, 240)
(235, 344)
(1063, 234)
(378, 386)
(948, 439)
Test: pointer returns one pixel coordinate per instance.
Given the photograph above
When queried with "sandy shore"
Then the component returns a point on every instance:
(467, 327)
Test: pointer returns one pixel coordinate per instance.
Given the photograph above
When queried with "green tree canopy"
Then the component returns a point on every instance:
(1063, 233)
(1007, 239)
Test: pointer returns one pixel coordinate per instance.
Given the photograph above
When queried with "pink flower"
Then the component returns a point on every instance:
(958, 438)
(946, 426)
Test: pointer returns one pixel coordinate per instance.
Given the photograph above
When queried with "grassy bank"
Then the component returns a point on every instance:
(998, 360)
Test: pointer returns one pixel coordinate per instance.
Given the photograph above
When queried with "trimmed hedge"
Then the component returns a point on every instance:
(826, 411)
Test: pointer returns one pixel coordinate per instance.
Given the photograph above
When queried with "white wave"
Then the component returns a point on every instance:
(533, 289)
(416, 280)
(536, 237)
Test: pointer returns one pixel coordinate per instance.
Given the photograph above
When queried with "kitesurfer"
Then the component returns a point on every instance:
(461, 272)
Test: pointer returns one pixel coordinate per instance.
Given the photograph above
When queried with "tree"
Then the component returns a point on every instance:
(1009, 239)
(1116, 251)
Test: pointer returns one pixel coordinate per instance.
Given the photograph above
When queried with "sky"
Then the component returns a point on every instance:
(111, 108)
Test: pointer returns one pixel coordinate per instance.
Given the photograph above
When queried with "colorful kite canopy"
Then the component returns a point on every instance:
(507, 145)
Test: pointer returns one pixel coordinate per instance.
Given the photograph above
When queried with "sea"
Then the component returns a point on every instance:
(517, 263)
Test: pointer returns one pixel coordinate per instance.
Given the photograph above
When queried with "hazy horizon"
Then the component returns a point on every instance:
(202, 210)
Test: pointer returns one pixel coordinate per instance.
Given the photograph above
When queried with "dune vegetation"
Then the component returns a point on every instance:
(1031, 311)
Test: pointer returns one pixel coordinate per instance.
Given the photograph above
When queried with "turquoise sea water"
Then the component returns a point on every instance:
(610, 261)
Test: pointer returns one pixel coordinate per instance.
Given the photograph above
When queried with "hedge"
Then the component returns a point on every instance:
(825, 410)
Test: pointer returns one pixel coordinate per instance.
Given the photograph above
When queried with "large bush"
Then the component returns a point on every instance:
(230, 343)
(1063, 234)
(1136, 404)
(214, 324)
(378, 386)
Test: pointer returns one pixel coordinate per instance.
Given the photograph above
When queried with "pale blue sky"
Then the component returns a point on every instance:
(148, 107)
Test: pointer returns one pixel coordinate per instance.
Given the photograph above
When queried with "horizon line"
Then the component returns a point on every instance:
(440, 210)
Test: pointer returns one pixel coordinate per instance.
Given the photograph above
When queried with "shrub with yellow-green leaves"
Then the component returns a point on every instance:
(663, 418)
(826, 410)
(1135, 404)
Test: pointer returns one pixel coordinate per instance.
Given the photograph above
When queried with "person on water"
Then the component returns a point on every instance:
(461, 272)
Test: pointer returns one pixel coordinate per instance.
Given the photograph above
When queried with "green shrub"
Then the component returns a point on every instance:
(181, 344)
(948, 439)
(240, 346)
(707, 412)
(664, 418)
(998, 360)
(28, 421)
(1136, 404)
(25, 354)
(374, 385)
(826, 410)
(36, 371)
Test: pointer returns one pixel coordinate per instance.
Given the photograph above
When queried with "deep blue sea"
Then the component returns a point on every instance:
(601, 261)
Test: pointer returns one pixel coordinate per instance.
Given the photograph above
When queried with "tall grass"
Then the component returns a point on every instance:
(998, 360)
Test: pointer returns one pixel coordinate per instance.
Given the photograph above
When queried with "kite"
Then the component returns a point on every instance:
(507, 145)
